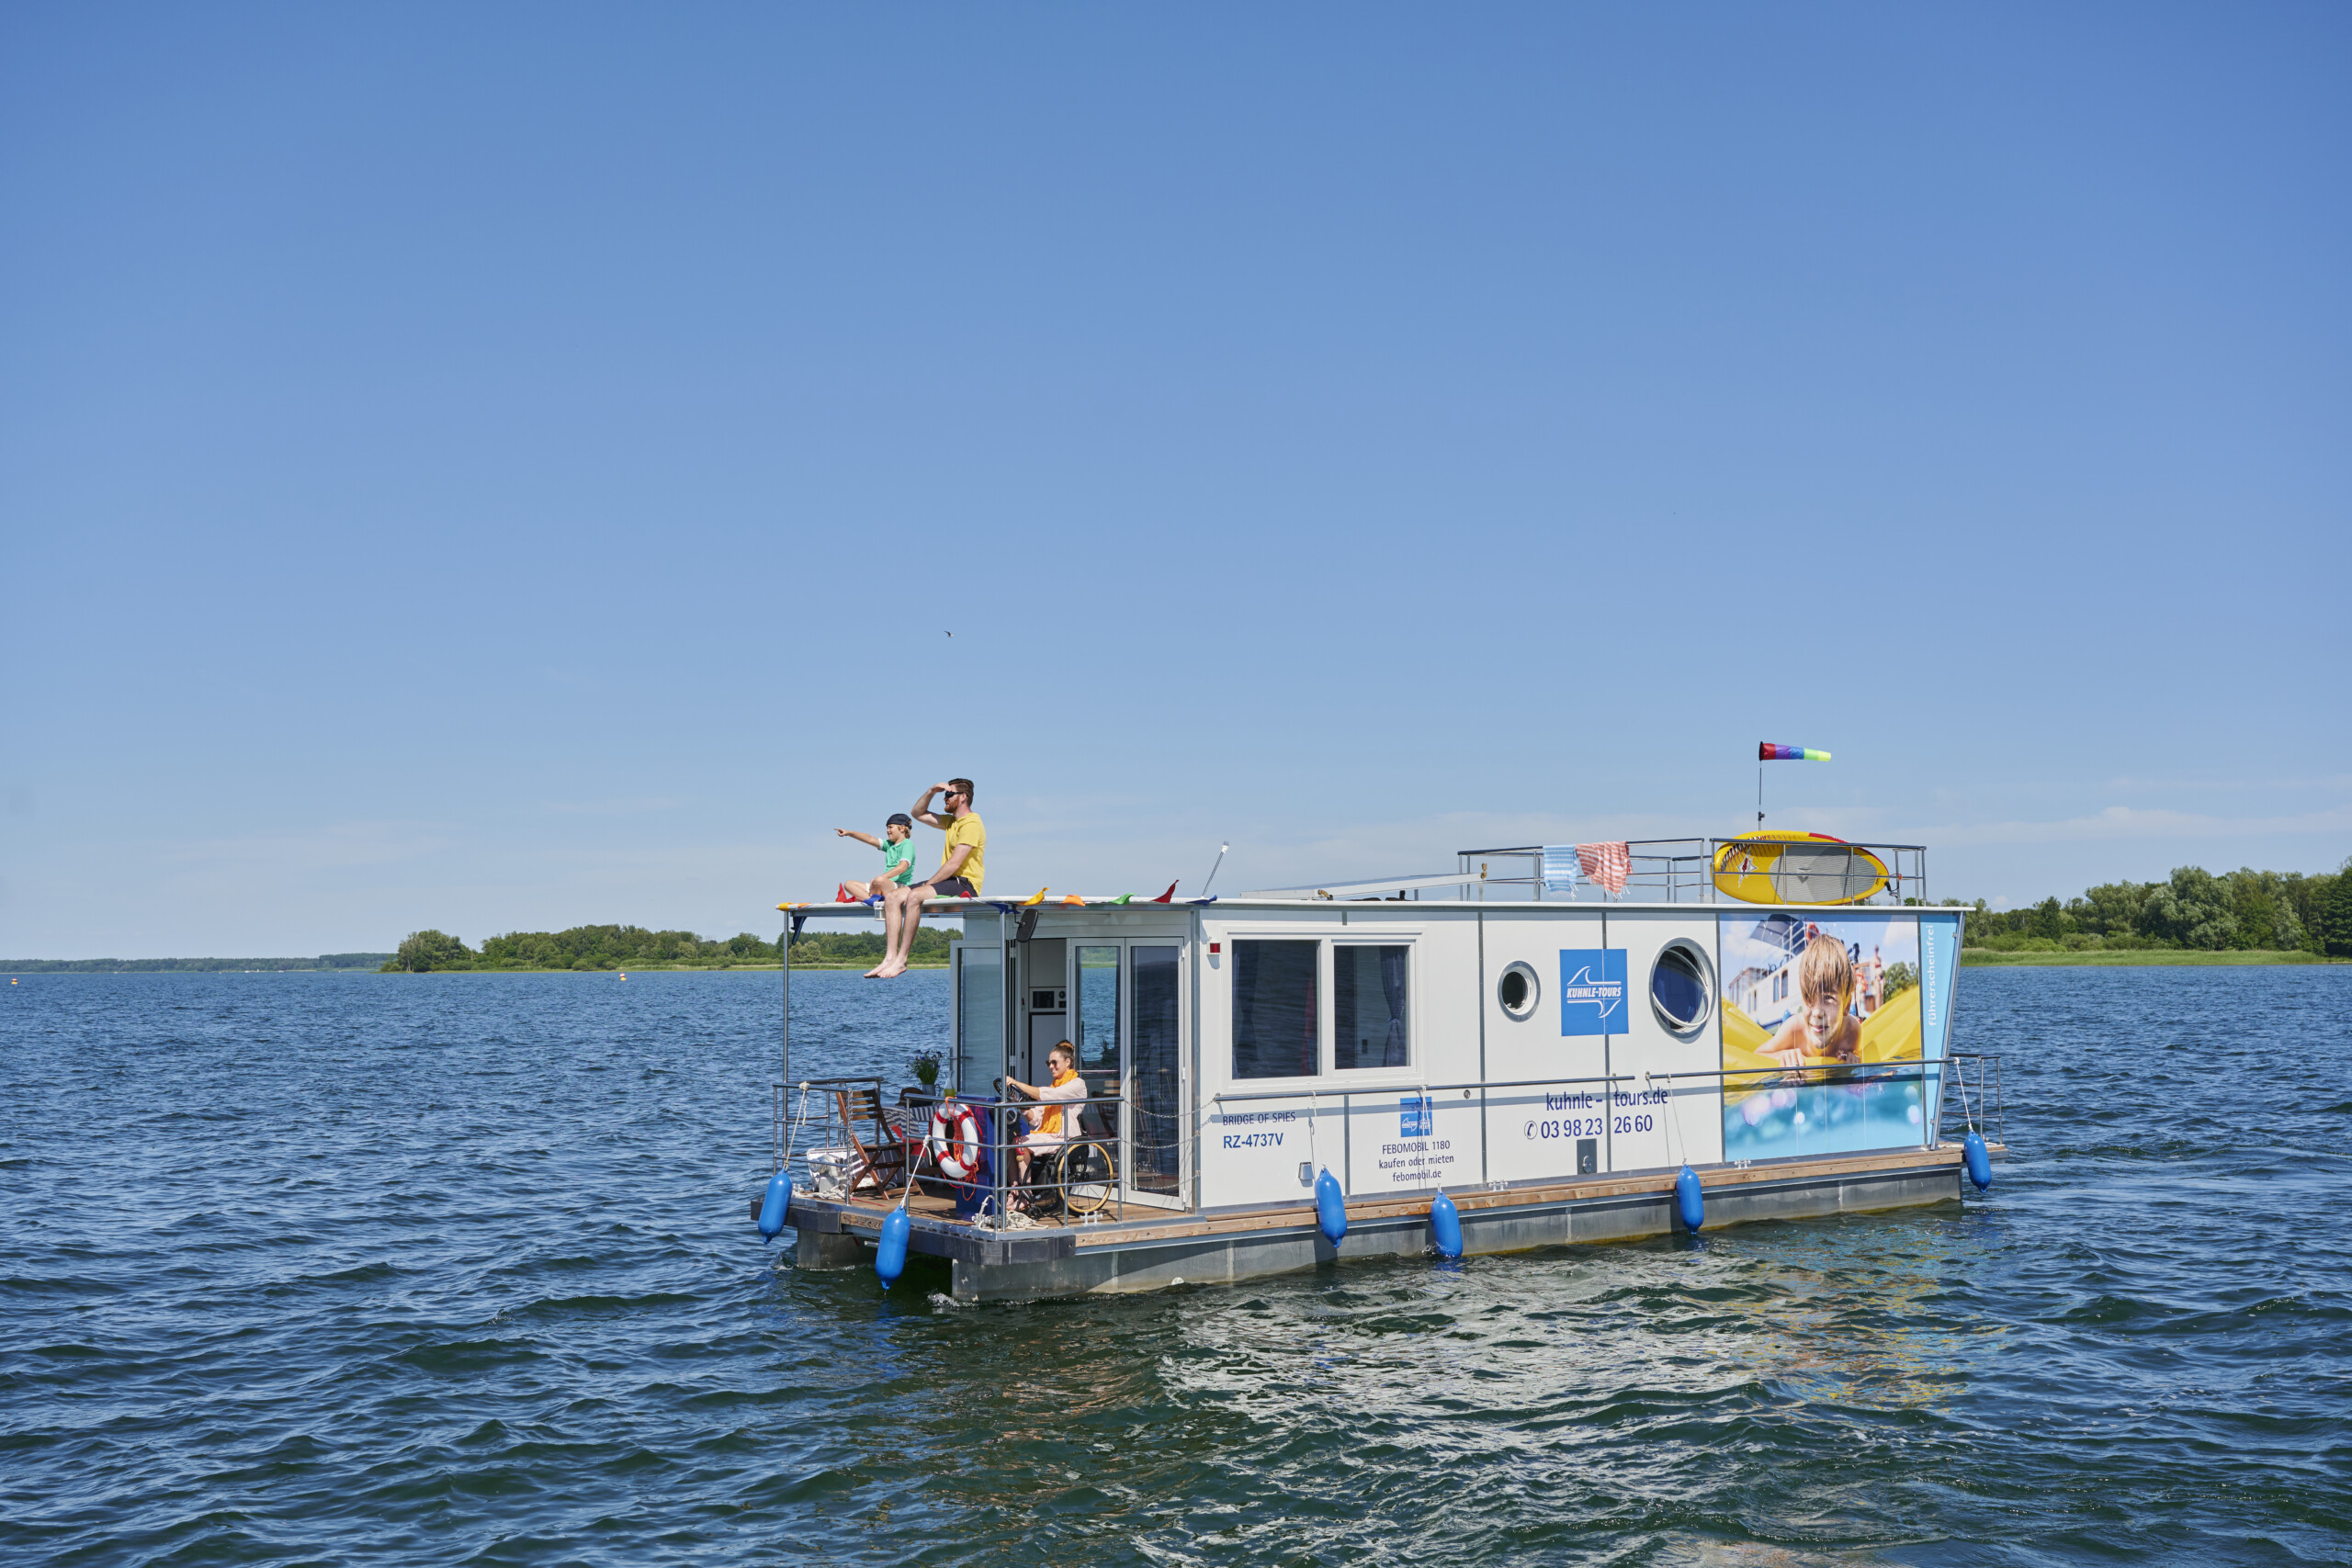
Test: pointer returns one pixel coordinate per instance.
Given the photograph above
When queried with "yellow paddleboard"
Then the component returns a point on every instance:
(1797, 868)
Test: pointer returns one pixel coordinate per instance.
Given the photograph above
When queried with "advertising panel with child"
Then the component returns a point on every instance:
(1819, 1013)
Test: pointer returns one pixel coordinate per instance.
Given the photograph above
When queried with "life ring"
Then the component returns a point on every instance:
(954, 1141)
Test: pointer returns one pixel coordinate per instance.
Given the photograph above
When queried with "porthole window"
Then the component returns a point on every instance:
(1517, 991)
(1682, 986)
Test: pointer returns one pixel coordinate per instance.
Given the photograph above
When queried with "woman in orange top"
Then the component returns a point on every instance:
(1045, 1130)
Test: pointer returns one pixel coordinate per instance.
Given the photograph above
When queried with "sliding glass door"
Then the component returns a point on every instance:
(1155, 1098)
(1129, 1031)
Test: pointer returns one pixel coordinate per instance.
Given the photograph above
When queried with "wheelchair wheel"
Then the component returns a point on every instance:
(1090, 1178)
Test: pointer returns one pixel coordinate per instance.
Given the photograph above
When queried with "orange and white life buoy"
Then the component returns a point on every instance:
(954, 1141)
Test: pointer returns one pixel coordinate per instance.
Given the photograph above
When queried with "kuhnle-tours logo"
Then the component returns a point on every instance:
(1592, 990)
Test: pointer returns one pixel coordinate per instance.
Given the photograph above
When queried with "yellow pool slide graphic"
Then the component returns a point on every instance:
(1890, 1034)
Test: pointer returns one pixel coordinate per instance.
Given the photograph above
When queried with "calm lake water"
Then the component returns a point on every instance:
(355, 1270)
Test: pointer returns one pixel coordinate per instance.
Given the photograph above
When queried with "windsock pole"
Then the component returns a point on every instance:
(1771, 751)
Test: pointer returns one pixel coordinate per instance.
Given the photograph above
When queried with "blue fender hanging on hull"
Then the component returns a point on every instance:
(1689, 1202)
(1330, 1207)
(1979, 1160)
(890, 1256)
(1445, 1226)
(776, 1205)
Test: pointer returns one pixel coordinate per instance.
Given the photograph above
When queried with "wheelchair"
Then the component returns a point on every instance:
(1080, 1178)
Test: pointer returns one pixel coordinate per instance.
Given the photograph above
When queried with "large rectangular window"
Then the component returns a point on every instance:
(1368, 1027)
(979, 1022)
(1273, 1009)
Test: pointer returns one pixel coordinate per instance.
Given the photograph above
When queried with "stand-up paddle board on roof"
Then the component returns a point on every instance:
(1779, 867)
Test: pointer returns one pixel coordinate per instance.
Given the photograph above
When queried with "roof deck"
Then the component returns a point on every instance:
(1792, 870)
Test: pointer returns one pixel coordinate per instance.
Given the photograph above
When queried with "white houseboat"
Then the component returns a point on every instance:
(1772, 1014)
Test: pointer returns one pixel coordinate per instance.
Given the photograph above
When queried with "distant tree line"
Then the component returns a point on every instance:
(2194, 908)
(635, 947)
(189, 966)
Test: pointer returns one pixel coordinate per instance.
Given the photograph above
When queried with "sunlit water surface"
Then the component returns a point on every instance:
(351, 1269)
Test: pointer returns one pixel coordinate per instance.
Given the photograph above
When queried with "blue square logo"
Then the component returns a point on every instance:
(1416, 1117)
(1592, 990)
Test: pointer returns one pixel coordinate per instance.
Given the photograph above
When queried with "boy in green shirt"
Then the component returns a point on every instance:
(898, 848)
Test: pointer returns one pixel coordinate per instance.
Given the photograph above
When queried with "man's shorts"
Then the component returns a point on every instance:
(1040, 1142)
(953, 887)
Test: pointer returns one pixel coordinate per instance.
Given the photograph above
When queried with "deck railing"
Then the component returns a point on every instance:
(1966, 1106)
(1682, 871)
(1081, 1189)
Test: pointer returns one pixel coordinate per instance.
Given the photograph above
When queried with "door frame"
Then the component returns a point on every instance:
(1129, 1067)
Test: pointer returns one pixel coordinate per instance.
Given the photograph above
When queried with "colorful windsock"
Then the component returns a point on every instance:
(1767, 753)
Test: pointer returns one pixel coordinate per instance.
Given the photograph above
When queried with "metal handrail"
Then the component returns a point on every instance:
(1000, 1143)
(1990, 1114)
(1654, 869)
(1430, 1088)
(826, 1086)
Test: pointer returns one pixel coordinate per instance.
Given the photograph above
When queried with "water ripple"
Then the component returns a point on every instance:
(311, 1268)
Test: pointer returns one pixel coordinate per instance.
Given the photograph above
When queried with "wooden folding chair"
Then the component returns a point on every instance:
(879, 1155)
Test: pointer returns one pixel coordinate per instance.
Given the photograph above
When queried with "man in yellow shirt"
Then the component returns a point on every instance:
(963, 864)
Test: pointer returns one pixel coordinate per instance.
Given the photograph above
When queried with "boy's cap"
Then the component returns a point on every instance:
(899, 820)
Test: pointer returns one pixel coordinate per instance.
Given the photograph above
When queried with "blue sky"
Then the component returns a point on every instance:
(511, 467)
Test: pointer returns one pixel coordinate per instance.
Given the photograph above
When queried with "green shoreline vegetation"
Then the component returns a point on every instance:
(347, 963)
(2158, 957)
(635, 947)
(2192, 917)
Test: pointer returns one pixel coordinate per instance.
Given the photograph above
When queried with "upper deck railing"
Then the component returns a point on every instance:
(1695, 871)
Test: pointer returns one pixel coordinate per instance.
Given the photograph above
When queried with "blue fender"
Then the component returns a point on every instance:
(1445, 1226)
(1330, 1207)
(776, 1205)
(890, 1256)
(1689, 1200)
(1978, 1159)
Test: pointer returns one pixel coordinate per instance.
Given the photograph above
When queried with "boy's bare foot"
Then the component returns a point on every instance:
(890, 971)
(872, 974)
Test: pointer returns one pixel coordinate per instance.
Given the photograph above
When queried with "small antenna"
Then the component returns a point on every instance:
(1220, 861)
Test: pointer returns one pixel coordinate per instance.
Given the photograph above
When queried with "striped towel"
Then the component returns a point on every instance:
(1606, 864)
(1561, 868)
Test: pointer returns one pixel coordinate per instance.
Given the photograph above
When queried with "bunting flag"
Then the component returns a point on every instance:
(1123, 899)
(1170, 896)
(1767, 751)
(1034, 899)
(1606, 864)
(1075, 900)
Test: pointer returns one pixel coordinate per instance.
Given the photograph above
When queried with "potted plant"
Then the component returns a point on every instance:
(926, 1070)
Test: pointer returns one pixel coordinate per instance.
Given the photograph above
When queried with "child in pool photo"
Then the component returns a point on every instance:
(898, 848)
(1823, 1025)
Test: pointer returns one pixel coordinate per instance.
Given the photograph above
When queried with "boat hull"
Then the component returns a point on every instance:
(1231, 1246)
